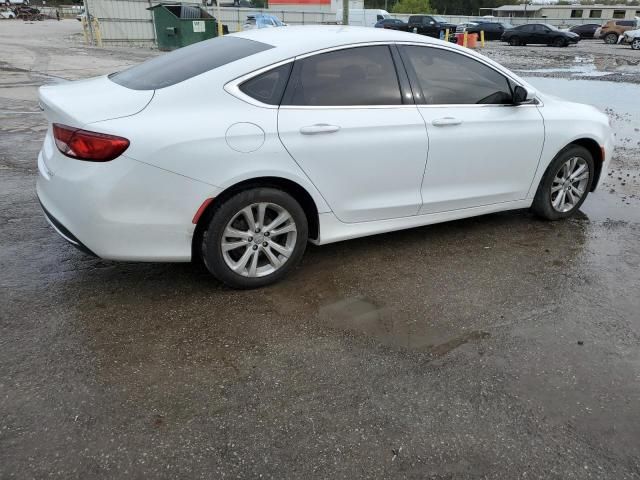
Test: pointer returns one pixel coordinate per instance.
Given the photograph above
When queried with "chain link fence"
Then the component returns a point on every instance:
(129, 22)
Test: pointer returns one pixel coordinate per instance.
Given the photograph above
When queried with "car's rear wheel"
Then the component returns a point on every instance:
(611, 38)
(514, 41)
(255, 238)
(636, 44)
(559, 42)
(565, 185)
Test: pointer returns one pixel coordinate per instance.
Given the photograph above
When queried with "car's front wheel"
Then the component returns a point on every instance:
(565, 184)
(255, 238)
(611, 38)
(636, 44)
(514, 41)
(559, 42)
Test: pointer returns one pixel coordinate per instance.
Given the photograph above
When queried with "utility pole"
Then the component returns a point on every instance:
(89, 20)
(345, 12)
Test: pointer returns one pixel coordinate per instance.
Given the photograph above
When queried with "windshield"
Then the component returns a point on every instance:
(548, 25)
(440, 19)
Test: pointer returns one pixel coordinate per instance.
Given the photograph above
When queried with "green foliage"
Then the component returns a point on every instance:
(412, 6)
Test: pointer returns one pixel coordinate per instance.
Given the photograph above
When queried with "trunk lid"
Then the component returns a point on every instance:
(81, 102)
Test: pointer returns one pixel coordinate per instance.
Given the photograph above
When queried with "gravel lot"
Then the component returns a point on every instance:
(495, 347)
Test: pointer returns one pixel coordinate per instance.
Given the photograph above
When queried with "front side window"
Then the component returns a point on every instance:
(449, 78)
(268, 87)
(354, 76)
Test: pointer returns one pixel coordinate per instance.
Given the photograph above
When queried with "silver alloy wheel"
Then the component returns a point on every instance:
(570, 184)
(259, 239)
(636, 44)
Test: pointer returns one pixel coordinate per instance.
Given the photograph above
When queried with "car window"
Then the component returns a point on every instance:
(187, 62)
(524, 28)
(354, 76)
(450, 78)
(268, 87)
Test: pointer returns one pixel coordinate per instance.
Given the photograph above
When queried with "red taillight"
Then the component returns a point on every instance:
(84, 145)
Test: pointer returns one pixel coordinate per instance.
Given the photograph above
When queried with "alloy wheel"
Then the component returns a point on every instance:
(259, 239)
(611, 38)
(636, 44)
(569, 184)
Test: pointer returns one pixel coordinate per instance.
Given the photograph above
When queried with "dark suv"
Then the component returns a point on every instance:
(430, 25)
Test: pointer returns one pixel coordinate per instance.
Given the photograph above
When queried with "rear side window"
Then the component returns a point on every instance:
(187, 62)
(268, 87)
(449, 78)
(354, 76)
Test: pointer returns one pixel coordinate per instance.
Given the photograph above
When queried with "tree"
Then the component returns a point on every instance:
(412, 6)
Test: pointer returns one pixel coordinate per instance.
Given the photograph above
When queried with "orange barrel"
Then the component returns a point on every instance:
(472, 40)
(460, 38)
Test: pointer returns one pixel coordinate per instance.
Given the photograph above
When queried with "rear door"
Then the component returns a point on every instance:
(346, 121)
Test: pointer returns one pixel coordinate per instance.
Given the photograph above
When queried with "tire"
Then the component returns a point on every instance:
(275, 255)
(559, 42)
(635, 44)
(549, 204)
(611, 38)
(514, 41)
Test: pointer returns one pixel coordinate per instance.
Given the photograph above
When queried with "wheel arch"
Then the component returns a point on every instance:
(294, 189)
(596, 152)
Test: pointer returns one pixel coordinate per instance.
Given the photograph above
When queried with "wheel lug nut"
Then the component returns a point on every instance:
(264, 244)
(251, 239)
(255, 247)
(257, 230)
(266, 234)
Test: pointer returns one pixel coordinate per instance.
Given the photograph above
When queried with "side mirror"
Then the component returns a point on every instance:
(522, 95)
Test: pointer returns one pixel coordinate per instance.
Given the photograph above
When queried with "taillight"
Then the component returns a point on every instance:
(85, 145)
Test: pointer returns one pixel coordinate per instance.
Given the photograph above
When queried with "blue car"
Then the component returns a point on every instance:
(262, 20)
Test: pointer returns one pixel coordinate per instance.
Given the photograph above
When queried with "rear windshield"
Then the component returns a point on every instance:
(187, 62)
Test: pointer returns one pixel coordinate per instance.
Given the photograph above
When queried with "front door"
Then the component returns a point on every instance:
(343, 121)
(482, 149)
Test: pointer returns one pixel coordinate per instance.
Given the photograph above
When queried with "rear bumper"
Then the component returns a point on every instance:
(64, 233)
(122, 209)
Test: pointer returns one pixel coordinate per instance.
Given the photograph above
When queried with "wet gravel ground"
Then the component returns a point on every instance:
(495, 347)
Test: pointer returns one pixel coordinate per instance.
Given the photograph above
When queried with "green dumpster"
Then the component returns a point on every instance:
(181, 25)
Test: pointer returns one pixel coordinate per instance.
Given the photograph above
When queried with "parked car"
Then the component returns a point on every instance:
(15, 2)
(539, 33)
(392, 24)
(611, 30)
(587, 30)
(7, 14)
(632, 37)
(492, 30)
(430, 25)
(240, 149)
(262, 20)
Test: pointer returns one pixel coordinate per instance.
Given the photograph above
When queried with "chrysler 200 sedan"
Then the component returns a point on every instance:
(240, 149)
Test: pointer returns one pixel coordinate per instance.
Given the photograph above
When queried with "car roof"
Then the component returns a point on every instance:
(298, 40)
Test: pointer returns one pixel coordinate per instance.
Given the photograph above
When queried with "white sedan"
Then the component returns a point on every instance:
(240, 149)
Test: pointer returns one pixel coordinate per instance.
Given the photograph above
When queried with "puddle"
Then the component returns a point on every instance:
(589, 70)
(362, 316)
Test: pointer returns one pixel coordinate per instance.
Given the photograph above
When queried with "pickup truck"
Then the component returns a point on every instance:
(430, 25)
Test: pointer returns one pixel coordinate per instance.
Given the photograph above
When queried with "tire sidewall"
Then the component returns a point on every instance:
(212, 237)
(542, 202)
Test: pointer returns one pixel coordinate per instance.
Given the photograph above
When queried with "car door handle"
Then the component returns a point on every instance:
(319, 128)
(446, 121)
